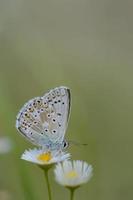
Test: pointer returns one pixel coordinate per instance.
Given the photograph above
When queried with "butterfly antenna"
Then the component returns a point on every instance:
(77, 143)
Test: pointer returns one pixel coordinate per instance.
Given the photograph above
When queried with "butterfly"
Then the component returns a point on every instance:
(44, 120)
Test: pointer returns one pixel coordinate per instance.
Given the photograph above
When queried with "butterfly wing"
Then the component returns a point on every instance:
(59, 99)
(43, 120)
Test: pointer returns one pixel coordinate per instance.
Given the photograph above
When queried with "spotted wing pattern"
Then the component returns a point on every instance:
(43, 120)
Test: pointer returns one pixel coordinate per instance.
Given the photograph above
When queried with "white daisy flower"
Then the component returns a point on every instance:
(72, 174)
(43, 157)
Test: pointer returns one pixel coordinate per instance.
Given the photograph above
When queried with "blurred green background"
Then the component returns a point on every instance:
(87, 46)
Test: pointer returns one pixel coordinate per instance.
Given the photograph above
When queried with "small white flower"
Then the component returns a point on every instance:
(6, 145)
(72, 174)
(43, 157)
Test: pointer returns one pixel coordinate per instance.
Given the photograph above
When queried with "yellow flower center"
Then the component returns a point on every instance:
(45, 157)
(72, 174)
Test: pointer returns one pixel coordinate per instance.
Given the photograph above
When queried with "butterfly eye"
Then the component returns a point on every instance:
(65, 144)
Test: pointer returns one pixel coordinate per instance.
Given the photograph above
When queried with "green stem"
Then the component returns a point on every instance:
(72, 190)
(48, 184)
